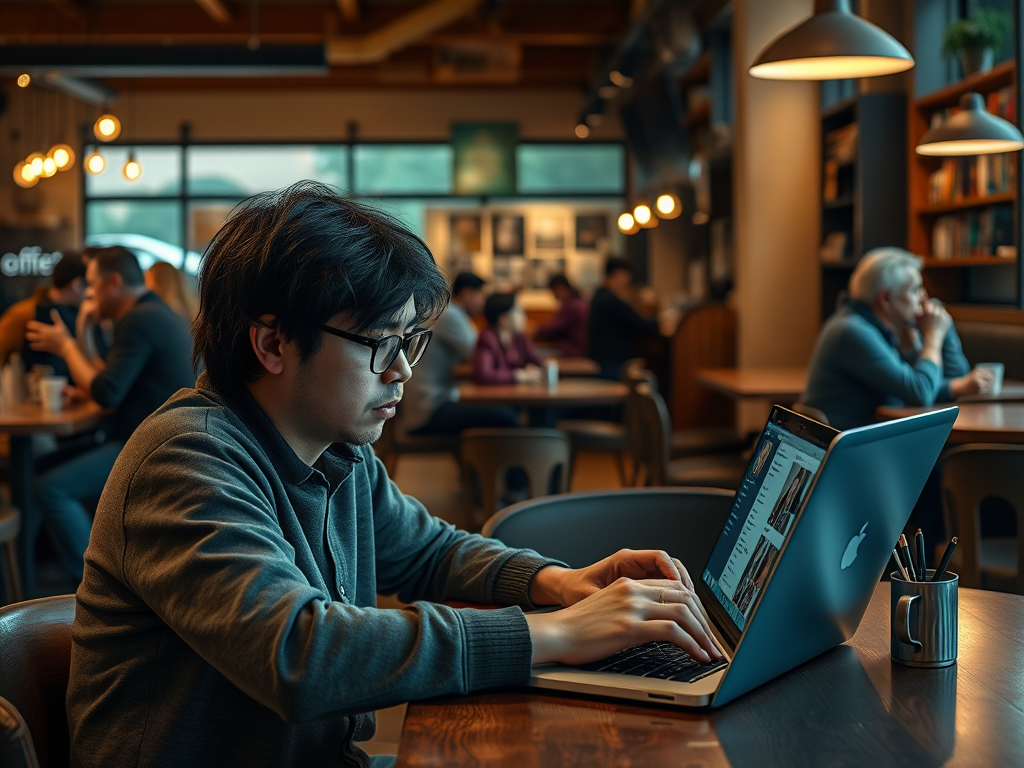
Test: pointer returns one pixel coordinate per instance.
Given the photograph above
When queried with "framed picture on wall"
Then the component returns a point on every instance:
(507, 234)
(548, 231)
(508, 272)
(465, 233)
(591, 231)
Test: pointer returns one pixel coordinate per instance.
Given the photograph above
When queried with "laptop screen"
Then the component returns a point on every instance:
(784, 464)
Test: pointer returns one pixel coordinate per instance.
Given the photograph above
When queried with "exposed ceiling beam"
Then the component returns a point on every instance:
(216, 10)
(377, 45)
(349, 9)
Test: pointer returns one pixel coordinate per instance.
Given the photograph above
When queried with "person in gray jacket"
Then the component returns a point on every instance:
(431, 407)
(889, 344)
(228, 615)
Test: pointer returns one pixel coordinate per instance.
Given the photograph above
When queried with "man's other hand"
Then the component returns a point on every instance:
(554, 585)
(976, 382)
(934, 320)
(48, 338)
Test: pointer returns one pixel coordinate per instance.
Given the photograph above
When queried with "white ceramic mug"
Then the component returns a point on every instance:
(997, 376)
(51, 393)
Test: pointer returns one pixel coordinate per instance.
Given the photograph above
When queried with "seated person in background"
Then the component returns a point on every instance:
(174, 287)
(428, 407)
(503, 354)
(567, 330)
(65, 294)
(228, 615)
(888, 345)
(614, 325)
(148, 361)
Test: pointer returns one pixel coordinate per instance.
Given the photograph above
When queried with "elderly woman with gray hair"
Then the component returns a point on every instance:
(889, 344)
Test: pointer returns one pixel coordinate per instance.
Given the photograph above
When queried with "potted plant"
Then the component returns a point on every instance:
(976, 40)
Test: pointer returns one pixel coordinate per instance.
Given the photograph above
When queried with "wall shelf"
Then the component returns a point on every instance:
(998, 77)
(966, 204)
(969, 261)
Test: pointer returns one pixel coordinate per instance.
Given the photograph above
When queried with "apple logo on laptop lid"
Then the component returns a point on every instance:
(851, 549)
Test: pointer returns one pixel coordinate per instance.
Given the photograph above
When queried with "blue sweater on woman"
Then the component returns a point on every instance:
(857, 367)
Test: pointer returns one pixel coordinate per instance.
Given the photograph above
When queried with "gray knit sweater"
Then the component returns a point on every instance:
(227, 613)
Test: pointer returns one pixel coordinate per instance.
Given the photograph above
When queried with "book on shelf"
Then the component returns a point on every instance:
(833, 248)
(973, 233)
(963, 178)
(841, 144)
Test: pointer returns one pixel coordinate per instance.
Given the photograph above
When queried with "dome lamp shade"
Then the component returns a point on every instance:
(833, 44)
(971, 131)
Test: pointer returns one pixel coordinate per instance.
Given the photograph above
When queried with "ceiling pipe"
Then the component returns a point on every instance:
(376, 46)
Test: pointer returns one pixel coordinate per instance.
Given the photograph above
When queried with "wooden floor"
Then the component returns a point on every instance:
(434, 480)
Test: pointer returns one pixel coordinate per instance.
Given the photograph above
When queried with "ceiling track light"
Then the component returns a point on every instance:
(971, 131)
(833, 44)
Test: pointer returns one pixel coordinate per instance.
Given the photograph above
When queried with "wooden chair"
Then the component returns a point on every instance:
(653, 450)
(488, 454)
(35, 664)
(10, 527)
(394, 443)
(971, 473)
(582, 528)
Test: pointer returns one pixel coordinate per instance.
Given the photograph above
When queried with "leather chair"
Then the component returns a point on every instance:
(582, 528)
(971, 473)
(35, 663)
(488, 454)
(653, 450)
(10, 526)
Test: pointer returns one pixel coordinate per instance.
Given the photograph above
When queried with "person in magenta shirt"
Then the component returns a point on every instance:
(503, 354)
(567, 330)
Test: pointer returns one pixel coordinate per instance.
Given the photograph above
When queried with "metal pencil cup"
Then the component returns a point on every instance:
(923, 621)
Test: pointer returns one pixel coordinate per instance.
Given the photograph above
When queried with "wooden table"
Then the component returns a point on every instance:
(567, 367)
(21, 423)
(781, 385)
(568, 392)
(849, 707)
(978, 422)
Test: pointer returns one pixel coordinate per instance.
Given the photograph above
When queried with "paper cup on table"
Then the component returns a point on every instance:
(51, 393)
(997, 375)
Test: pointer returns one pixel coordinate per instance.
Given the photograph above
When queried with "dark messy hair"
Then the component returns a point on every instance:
(615, 264)
(561, 281)
(303, 254)
(466, 280)
(117, 260)
(498, 304)
(70, 266)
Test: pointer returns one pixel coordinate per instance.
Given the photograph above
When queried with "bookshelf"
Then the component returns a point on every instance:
(961, 210)
(863, 186)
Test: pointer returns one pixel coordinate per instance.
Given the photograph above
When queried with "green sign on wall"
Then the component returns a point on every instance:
(484, 156)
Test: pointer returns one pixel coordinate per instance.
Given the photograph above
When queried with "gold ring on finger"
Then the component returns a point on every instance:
(661, 597)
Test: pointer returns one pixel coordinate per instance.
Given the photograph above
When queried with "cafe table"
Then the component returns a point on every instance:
(977, 422)
(780, 385)
(21, 423)
(567, 367)
(567, 392)
(848, 707)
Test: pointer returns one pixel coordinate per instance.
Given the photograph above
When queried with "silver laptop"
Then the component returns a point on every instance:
(808, 537)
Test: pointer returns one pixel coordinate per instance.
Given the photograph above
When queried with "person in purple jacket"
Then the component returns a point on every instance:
(567, 330)
(503, 354)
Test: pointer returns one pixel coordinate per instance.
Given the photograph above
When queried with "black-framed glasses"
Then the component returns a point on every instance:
(385, 349)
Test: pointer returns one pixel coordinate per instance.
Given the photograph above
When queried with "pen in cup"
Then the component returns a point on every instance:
(908, 560)
(899, 564)
(922, 562)
(941, 570)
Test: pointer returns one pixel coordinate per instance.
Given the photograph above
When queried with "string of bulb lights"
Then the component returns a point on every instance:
(61, 157)
(645, 216)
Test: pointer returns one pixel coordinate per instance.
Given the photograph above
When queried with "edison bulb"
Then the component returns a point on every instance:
(627, 224)
(107, 128)
(49, 167)
(36, 161)
(24, 80)
(132, 170)
(642, 214)
(669, 205)
(582, 131)
(63, 156)
(24, 177)
(95, 162)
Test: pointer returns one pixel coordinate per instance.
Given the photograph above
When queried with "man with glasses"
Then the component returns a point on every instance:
(228, 612)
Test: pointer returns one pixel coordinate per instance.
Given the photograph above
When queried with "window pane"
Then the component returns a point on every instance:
(549, 168)
(150, 228)
(205, 218)
(239, 172)
(161, 172)
(382, 169)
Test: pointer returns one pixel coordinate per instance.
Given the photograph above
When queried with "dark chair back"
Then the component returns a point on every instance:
(582, 528)
(35, 663)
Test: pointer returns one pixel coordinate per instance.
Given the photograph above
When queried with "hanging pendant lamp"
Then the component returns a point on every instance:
(832, 45)
(971, 131)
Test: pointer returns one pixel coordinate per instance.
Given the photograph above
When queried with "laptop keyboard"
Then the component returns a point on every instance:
(663, 660)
